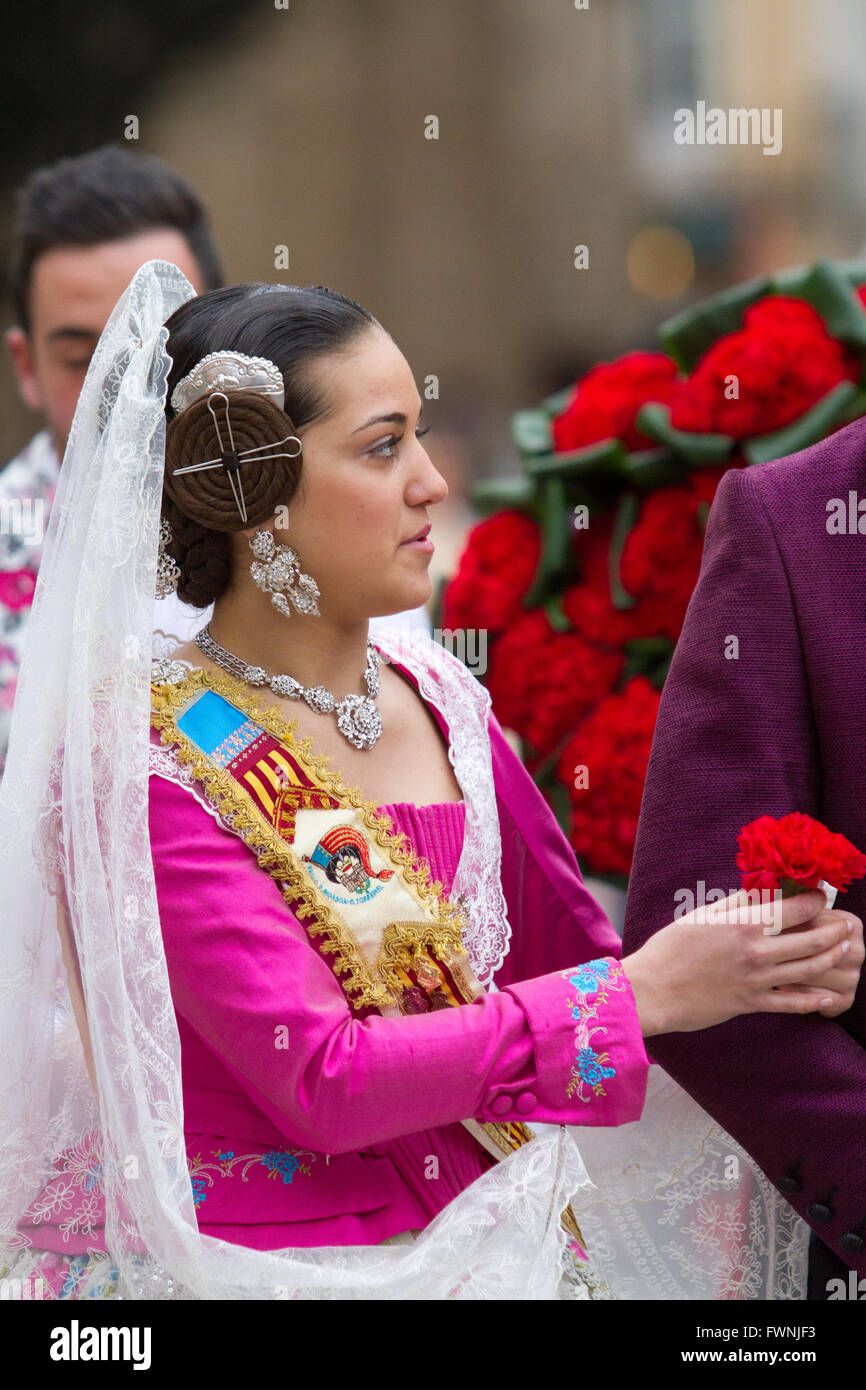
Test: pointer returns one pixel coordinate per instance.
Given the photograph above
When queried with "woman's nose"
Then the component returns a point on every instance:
(428, 485)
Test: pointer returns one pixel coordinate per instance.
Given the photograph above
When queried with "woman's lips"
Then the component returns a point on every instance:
(421, 541)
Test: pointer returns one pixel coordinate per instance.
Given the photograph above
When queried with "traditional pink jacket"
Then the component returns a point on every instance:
(348, 1130)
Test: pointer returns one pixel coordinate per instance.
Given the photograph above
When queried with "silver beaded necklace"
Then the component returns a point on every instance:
(357, 716)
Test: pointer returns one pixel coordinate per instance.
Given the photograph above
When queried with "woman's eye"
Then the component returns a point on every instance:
(389, 448)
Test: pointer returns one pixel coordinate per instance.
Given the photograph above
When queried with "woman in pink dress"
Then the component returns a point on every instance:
(336, 970)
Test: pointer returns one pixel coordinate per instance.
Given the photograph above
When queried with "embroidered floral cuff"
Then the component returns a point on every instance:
(590, 1061)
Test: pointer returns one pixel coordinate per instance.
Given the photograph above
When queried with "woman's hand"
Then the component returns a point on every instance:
(716, 963)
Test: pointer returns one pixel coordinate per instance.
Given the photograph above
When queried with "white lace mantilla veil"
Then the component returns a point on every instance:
(89, 1046)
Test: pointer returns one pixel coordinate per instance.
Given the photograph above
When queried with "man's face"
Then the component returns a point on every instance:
(73, 290)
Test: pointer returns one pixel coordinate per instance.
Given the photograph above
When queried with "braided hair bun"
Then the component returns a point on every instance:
(207, 496)
(201, 507)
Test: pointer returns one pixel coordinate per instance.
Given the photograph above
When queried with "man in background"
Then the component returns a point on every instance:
(82, 228)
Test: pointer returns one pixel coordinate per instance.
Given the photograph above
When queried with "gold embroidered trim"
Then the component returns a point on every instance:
(274, 854)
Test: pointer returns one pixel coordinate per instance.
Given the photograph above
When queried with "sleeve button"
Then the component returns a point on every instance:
(790, 1186)
(819, 1211)
(851, 1243)
(525, 1102)
(501, 1105)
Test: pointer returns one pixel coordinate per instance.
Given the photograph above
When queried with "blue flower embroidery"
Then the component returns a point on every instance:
(77, 1269)
(284, 1163)
(585, 982)
(281, 1163)
(591, 982)
(589, 977)
(590, 1068)
(94, 1177)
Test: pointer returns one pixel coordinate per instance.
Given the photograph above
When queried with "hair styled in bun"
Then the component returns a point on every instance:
(289, 326)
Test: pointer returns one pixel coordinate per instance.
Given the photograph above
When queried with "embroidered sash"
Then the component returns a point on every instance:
(393, 937)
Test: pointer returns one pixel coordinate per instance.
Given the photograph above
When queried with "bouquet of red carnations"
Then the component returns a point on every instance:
(582, 570)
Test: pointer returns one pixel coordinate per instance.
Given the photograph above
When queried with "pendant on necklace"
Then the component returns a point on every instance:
(359, 720)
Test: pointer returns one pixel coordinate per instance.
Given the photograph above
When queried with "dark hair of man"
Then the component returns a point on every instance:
(108, 194)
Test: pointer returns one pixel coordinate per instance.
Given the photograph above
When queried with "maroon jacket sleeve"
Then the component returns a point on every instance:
(736, 739)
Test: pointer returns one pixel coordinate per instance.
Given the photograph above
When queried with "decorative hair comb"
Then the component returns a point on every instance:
(229, 371)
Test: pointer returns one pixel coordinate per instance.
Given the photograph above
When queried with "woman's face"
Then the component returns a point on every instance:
(367, 486)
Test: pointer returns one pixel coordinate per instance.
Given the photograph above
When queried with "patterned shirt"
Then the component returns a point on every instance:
(27, 487)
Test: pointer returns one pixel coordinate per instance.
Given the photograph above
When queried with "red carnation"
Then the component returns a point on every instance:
(495, 571)
(661, 560)
(613, 744)
(605, 401)
(784, 361)
(541, 681)
(794, 854)
(659, 565)
(589, 607)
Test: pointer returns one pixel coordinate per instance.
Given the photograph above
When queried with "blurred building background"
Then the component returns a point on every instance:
(306, 127)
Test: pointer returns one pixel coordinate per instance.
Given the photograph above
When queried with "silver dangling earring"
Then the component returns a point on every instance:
(276, 569)
(167, 571)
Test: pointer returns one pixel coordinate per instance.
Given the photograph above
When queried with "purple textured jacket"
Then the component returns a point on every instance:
(779, 727)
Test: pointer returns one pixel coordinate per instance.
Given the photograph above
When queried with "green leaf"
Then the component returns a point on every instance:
(687, 335)
(593, 458)
(705, 450)
(650, 657)
(545, 769)
(494, 494)
(808, 428)
(556, 548)
(438, 597)
(555, 404)
(531, 431)
(854, 271)
(647, 469)
(559, 621)
(829, 290)
(626, 516)
(560, 803)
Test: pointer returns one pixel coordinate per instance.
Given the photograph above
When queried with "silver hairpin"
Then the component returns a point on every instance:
(231, 458)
